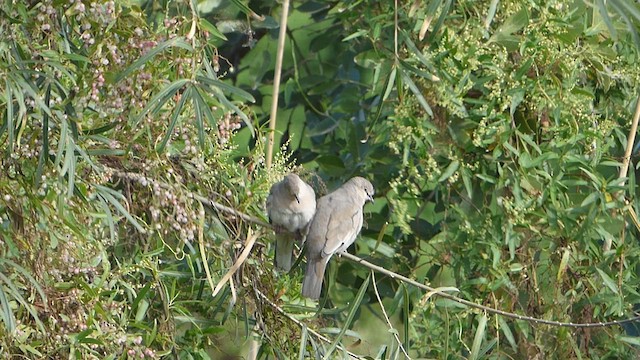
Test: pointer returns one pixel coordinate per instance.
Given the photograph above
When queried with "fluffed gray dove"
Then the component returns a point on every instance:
(291, 204)
(334, 228)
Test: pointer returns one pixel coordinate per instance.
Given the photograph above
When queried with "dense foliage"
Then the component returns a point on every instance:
(493, 133)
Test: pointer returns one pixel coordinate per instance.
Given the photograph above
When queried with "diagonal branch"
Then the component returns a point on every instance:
(266, 299)
(397, 276)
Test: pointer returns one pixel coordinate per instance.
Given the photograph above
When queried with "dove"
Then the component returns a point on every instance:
(291, 205)
(334, 228)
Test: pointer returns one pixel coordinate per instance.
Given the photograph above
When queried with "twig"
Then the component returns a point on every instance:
(251, 239)
(482, 307)
(397, 276)
(230, 210)
(386, 317)
(300, 323)
(276, 81)
(203, 253)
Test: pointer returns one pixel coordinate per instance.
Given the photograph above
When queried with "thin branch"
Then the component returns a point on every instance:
(397, 276)
(482, 307)
(300, 323)
(248, 245)
(276, 81)
(203, 253)
(386, 317)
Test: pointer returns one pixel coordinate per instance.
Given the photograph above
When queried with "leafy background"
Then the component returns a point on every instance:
(493, 131)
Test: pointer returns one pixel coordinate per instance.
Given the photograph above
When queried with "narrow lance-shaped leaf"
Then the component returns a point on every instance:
(109, 218)
(450, 170)
(416, 91)
(508, 334)
(623, 10)
(110, 196)
(235, 109)
(242, 7)
(27, 87)
(226, 88)
(211, 29)
(204, 107)
(405, 315)
(608, 281)
(161, 98)
(491, 13)
(303, 342)
(198, 104)
(174, 118)
(443, 15)
(478, 338)
(6, 313)
(62, 140)
(9, 116)
(355, 305)
(16, 295)
(177, 42)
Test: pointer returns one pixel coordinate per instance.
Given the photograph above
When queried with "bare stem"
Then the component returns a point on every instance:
(276, 81)
(630, 140)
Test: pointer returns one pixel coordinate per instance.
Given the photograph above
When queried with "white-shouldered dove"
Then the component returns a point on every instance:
(291, 205)
(334, 228)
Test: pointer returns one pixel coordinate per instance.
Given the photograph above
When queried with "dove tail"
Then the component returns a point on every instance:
(284, 251)
(312, 284)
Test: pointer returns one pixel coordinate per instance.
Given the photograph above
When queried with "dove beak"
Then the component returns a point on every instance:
(370, 198)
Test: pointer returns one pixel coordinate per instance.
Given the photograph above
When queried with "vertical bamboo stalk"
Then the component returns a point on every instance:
(630, 140)
(276, 81)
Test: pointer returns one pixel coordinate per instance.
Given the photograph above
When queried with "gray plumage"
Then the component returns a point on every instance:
(334, 228)
(291, 205)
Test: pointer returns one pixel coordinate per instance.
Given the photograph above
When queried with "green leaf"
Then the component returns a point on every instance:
(608, 282)
(14, 293)
(355, 306)
(416, 91)
(204, 107)
(142, 294)
(504, 36)
(491, 14)
(226, 88)
(242, 7)
(633, 340)
(174, 118)
(478, 338)
(6, 313)
(207, 26)
(158, 100)
(406, 313)
(450, 170)
(303, 342)
(604, 14)
(356, 34)
(109, 196)
(142, 308)
(564, 263)
(175, 42)
(506, 330)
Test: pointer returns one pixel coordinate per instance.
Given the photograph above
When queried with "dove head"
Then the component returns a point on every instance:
(292, 183)
(364, 188)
